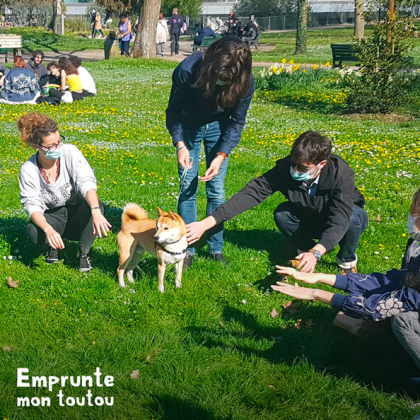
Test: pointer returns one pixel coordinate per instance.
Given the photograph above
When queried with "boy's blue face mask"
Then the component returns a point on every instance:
(303, 176)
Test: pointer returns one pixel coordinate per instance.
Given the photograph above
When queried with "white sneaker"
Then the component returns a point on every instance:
(90, 36)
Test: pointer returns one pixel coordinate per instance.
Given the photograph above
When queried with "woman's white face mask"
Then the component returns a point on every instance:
(411, 227)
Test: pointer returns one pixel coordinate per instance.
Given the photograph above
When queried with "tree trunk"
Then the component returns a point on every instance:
(145, 43)
(302, 25)
(359, 20)
(56, 16)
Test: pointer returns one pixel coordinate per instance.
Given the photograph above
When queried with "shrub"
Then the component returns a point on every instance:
(381, 84)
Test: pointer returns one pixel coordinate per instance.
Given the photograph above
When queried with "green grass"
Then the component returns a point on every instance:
(319, 41)
(210, 350)
(39, 39)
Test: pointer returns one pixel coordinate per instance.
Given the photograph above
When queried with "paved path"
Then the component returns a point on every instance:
(97, 55)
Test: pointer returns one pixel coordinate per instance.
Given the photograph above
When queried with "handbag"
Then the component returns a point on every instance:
(184, 28)
(67, 97)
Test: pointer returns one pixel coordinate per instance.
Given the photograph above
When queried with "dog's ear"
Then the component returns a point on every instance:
(172, 215)
(160, 212)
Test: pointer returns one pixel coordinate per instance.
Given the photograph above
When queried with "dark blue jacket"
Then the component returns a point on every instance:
(377, 296)
(207, 31)
(189, 107)
(176, 22)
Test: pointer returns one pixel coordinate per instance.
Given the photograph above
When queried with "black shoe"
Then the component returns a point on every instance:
(52, 256)
(188, 261)
(218, 257)
(84, 263)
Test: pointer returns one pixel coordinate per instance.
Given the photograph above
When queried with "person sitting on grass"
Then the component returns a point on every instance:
(375, 296)
(70, 77)
(53, 78)
(88, 84)
(322, 203)
(58, 191)
(20, 84)
(36, 65)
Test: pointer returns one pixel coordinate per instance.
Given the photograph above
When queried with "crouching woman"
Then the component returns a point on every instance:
(58, 191)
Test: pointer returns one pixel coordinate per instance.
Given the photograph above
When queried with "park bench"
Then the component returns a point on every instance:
(207, 41)
(10, 42)
(343, 52)
(191, 32)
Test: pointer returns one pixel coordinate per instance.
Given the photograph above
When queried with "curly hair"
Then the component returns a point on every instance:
(33, 127)
(19, 62)
(228, 60)
(66, 65)
(415, 205)
(38, 52)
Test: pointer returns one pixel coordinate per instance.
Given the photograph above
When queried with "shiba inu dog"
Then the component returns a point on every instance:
(165, 238)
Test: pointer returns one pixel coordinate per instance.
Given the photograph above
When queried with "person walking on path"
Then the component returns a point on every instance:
(162, 35)
(98, 26)
(176, 22)
(125, 34)
(209, 101)
(92, 23)
(322, 203)
(58, 191)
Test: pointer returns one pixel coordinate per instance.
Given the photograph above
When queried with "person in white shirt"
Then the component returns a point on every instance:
(88, 84)
(58, 191)
(162, 34)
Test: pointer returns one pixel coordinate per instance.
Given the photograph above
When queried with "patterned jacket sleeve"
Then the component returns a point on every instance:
(360, 283)
(378, 306)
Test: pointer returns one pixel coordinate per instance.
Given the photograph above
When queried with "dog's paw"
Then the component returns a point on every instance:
(162, 289)
(122, 284)
(178, 284)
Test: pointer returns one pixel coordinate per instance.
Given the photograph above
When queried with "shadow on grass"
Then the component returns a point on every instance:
(304, 102)
(171, 408)
(377, 361)
(13, 232)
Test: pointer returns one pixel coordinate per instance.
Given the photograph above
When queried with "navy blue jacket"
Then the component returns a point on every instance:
(190, 108)
(377, 296)
(207, 31)
(176, 22)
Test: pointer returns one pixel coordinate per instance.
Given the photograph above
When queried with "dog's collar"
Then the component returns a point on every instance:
(170, 252)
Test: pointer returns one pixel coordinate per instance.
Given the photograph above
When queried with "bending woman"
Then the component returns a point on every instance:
(58, 191)
(210, 97)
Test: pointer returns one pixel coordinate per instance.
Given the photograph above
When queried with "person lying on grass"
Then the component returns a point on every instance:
(58, 191)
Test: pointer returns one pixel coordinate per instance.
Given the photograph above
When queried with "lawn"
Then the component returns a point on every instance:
(40, 39)
(210, 350)
(319, 41)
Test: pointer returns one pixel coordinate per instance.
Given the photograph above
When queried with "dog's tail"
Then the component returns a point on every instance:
(132, 212)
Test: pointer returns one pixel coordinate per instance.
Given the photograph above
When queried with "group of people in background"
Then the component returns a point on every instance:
(66, 80)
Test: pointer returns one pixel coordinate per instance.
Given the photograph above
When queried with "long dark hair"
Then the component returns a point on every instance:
(412, 279)
(66, 65)
(230, 61)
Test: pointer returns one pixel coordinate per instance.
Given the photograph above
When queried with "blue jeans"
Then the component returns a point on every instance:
(210, 135)
(301, 233)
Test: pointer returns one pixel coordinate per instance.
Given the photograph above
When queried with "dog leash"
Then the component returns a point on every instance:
(182, 181)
